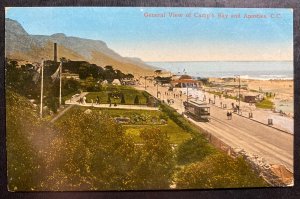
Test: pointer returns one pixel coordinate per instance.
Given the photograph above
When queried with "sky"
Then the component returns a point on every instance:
(152, 34)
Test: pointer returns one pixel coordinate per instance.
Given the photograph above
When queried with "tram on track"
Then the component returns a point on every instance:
(197, 111)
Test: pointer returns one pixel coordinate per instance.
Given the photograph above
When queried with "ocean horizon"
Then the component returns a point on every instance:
(260, 70)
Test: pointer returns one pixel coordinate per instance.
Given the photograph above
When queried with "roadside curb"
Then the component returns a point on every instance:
(258, 122)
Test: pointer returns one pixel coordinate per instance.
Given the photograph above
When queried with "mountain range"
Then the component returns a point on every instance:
(22, 46)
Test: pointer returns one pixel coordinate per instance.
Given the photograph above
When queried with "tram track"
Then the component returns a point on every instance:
(237, 136)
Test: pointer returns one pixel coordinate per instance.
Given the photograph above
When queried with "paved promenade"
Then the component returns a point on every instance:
(274, 145)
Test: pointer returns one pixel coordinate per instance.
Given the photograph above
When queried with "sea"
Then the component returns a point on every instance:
(261, 70)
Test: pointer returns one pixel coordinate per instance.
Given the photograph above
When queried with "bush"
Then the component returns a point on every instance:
(156, 163)
(179, 119)
(193, 150)
(218, 171)
(53, 104)
(265, 104)
(136, 100)
(122, 99)
(98, 155)
(24, 165)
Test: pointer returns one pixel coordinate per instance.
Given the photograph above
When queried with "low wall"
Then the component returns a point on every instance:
(275, 175)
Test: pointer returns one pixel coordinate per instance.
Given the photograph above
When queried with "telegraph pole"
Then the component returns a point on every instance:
(42, 88)
(60, 78)
(239, 93)
(157, 90)
(187, 92)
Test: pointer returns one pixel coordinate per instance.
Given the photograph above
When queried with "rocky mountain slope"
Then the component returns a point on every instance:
(22, 46)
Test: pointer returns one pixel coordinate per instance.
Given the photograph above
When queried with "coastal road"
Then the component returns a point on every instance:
(275, 146)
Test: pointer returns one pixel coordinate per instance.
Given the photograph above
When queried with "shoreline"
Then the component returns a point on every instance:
(282, 89)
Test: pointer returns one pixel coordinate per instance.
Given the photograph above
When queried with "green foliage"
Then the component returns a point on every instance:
(193, 150)
(218, 171)
(215, 93)
(136, 100)
(24, 165)
(96, 152)
(122, 99)
(98, 155)
(231, 97)
(205, 81)
(156, 161)
(265, 104)
(179, 119)
(19, 79)
(90, 85)
(53, 103)
(128, 92)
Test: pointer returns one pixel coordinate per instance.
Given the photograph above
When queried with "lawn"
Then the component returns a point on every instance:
(128, 92)
(141, 119)
(265, 104)
(176, 134)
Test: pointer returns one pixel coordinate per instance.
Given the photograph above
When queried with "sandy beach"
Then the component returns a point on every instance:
(283, 90)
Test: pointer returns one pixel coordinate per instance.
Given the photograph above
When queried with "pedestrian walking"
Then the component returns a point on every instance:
(98, 100)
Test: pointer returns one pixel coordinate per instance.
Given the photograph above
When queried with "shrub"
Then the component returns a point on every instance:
(265, 104)
(179, 119)
(24, 165)
(194, 150)
(218, 171)
(122, 99)
(136, 100)
(156, 163)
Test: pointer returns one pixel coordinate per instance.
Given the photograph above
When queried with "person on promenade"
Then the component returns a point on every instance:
(228, 115)
(98, 100)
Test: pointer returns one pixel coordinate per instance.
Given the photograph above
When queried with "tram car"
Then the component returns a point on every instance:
(197, 111)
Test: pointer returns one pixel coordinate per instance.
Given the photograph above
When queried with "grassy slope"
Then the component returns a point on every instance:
(193, 153)
(143, 119)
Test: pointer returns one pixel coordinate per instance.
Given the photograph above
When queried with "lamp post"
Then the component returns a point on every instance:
(187, 92)
(157, 90)
(239, 92)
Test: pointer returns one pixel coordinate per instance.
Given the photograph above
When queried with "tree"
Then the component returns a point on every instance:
(122, 99)
(96, 154)
(157, 72)
(24, 162)
(136, 100)
(108, 98)
(155, 165)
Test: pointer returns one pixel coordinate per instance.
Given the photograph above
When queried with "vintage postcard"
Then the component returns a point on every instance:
(148, 98)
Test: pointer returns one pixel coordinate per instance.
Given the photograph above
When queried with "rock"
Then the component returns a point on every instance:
(88, 111)
(162, 121)
(282, 173)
